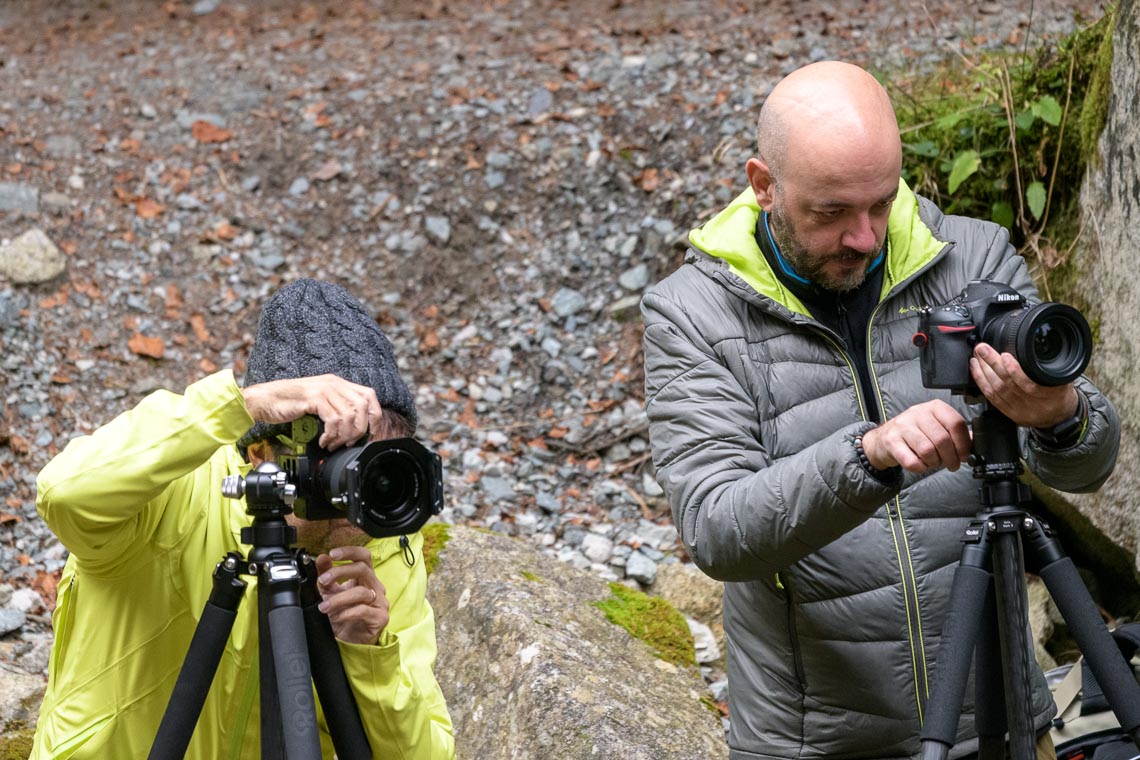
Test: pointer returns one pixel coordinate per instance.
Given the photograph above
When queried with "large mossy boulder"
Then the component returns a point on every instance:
(1110, 201)
(536, 661)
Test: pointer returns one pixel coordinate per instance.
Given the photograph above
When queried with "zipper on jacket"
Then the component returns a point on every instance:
(63, 627)
(793, 637)
(905, 561)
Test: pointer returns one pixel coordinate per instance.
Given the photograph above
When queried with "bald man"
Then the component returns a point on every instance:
(805, 463)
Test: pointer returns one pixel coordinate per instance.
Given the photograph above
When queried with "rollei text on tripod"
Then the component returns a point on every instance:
(387, 488)
(1052, 343)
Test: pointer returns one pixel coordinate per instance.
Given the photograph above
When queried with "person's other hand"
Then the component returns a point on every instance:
(348, 410)
(353, 597)
(1002, 381)
(925, 436)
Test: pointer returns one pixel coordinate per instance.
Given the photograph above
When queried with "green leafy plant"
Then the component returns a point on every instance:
(1006, 135)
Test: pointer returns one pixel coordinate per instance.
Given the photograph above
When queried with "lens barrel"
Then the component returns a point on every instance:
(1051, 341)
(388, 488)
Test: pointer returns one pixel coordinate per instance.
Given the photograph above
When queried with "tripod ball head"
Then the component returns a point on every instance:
(266, 489)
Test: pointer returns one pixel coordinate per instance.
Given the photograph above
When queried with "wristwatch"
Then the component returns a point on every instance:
(1068, 431)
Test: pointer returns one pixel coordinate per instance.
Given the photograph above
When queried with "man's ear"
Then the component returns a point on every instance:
(760, 177)
(260, 451)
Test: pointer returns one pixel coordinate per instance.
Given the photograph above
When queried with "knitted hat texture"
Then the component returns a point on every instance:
(312, 328)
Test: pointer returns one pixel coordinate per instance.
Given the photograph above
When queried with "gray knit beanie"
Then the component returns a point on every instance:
(312, 328)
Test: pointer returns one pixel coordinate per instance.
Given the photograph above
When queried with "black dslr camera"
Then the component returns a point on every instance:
(386, 488)
(1051, 341)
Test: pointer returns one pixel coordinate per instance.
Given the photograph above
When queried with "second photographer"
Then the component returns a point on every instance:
(139, 505)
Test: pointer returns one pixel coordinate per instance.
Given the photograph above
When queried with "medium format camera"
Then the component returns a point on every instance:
(1051, 341)
(387, 488)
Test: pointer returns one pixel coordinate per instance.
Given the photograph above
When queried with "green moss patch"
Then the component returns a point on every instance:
(653, 620)
(436, 536)
(530, 576)
(16, 745)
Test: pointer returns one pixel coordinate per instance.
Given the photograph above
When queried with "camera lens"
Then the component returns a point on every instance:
(389, 483)
(1051, 341)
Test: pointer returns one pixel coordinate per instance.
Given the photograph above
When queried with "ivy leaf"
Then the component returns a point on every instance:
(1035, 197)
(924, 148)
(1048, 109)
(1002, 213)
(965, 164)
(1024, 120)
(949, 121)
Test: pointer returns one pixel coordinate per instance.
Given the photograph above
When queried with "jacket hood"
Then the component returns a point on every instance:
(731, 237)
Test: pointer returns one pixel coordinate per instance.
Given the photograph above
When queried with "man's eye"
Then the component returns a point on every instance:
(829, 214)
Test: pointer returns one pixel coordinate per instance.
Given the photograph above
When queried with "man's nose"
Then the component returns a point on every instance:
(860, 235)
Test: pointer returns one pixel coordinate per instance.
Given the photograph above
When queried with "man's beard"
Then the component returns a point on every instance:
(811, 266)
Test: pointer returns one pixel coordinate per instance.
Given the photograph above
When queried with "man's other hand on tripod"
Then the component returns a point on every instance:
(354, 598)
(1001, 380)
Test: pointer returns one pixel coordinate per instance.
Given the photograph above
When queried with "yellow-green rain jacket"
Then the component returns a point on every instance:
(138, 504)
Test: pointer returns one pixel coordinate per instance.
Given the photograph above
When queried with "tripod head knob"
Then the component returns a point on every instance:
(267, 488)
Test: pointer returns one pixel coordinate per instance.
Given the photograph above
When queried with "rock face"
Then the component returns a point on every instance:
(1111, 205)
(532, 669)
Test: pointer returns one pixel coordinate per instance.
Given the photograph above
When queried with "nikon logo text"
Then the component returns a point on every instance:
(1008, 297)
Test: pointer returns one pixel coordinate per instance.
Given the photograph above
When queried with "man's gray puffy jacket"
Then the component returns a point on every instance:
(836, 584)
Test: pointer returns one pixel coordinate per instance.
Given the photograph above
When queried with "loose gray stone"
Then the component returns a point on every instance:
(62, 146)
(641, 569)
(497, 489)
(703, 641)
(31, 258)
(11, 620)
(186, 119)
(56, 203)
(597, 548)
(635, 279)
(494, 179)
(300, 186)
(539, 102)
(567, 301)
(19, 196)
(438, 228)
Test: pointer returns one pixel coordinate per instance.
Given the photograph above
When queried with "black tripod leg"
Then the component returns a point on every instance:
(989, 686)
(1084, 621)
(280, 580)
(1013, 604)
(200, 665)
(959, 634)
(333, 689)
(272, 740)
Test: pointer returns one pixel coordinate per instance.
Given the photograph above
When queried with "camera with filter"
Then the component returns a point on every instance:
(386, 488)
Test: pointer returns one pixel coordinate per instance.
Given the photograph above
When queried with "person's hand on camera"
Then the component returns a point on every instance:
(1001, 380)
(353, 597)
(925, 436)
(348, 410)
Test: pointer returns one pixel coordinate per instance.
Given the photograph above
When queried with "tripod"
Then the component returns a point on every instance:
(989, 585)
(292, 633)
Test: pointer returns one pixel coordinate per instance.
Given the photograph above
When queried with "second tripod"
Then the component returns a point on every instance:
(989, 589)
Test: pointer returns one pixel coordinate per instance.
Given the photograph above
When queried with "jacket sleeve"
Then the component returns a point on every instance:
(1084, 466)
(105, 493)
(400, 702)
(741, 515)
